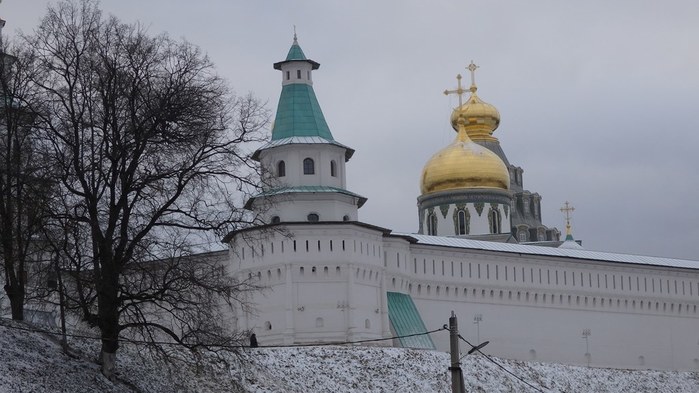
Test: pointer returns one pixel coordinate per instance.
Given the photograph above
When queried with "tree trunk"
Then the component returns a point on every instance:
(108, 364)
(16, 297)
(108, 313)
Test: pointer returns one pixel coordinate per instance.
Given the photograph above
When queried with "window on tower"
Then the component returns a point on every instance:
(281, 169)
(432, 224)
(288, 75)
(308, 166)
(333, 169)
(313, 217)
(494, 218)
(461, 225)
(298, 74)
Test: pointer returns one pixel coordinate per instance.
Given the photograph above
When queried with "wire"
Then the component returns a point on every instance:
(223, 346)
(351, 342)
(501, 366)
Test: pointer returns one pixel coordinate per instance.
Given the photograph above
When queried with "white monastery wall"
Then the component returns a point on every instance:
(532, 307)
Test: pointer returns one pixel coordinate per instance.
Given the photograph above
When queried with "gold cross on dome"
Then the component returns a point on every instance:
(459, 90)
(472, 67)
(567, 210)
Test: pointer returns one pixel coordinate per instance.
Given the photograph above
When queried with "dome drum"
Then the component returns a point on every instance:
(502, 197)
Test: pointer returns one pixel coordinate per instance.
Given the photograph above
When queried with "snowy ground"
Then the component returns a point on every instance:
(34, 362)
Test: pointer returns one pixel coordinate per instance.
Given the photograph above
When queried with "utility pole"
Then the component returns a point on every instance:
(457, 382)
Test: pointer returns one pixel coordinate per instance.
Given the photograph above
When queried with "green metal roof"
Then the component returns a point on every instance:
(295, 52)
(406, 320)
(299, 114)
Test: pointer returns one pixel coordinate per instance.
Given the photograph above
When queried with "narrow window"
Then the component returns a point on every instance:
(461, 218)
(308, 166)
(288, 75)
(308, 75)
(333, 169)
(281, 169)
(432, 224)
(298, 74)
(494, 221)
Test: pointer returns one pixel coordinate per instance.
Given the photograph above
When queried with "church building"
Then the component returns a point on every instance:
(480, 250)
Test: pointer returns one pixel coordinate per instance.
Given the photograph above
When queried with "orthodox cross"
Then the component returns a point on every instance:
(294, 31)
(472, 67)
(459, 90)
(567, 210)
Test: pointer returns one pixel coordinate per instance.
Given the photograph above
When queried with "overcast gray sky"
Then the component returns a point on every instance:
(598, 99)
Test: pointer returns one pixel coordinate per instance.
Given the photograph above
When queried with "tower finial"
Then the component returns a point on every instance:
(458, 91)
(567, 209)
(295, 39)
(472, 67)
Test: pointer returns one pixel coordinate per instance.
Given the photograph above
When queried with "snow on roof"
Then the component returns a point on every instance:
(549, 251)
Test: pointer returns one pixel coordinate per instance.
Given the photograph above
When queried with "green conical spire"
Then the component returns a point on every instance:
(295, 52)
(298, 111)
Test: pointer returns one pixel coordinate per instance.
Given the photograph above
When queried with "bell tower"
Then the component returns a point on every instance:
(305, 164)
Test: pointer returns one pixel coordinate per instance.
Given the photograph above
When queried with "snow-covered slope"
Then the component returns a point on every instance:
(31, 362)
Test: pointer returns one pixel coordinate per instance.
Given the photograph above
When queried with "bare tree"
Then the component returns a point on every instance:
(24, 183)
(150, 147)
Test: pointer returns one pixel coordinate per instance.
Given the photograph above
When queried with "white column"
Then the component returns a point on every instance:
(289, 311)
(349, 317)
(385, 323)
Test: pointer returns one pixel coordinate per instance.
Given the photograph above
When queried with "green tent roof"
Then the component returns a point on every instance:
(295, 52)
(299, 114)
(405, 320)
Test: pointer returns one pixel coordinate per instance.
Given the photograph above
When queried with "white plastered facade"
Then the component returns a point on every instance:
(332, 287)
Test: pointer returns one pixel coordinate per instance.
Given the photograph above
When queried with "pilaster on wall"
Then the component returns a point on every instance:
(289, 311)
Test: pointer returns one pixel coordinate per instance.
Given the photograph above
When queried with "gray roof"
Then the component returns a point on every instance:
(302, 140)
(549, 251)
(309, 190)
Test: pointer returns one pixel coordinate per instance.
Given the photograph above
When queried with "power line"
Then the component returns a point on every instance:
(223, 346)
(501, 366)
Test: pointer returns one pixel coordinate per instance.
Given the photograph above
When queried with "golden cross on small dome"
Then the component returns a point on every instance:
(472, 67)
(459, 90)
(567, 209)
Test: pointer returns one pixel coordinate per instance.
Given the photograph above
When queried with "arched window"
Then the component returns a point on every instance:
(313, 217)
(432, 224)
(494, 218)
(309, 166)
(462, 224)
(281, 169)
(345, 217)
(276, 220)
(333, 169)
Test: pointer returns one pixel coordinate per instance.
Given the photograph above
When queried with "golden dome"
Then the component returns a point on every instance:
(480, 118)
(464, 164)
